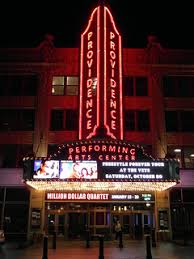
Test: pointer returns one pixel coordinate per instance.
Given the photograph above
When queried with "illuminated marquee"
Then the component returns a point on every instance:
(138, 170)
(101, 77)
(77, 196)
(86, 196)
(100, 151)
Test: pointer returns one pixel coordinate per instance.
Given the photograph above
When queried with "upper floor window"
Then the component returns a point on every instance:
(18, 85)
(179, 121)
(64, 120)
(135, 86)
(136, 120)
(11, 155)
(65, 85)
(178, 86)
(17, 119)
(184, 154)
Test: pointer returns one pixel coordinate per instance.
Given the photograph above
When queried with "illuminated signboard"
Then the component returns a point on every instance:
(44, 169)
(80, 170)
(113, 117)
(133, 197)
(100, 151)
(139, 170)
(89, 84)
(75, 196)
(104, 170)
(101, 77)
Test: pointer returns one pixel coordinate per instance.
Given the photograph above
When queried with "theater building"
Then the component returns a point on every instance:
(97, 133)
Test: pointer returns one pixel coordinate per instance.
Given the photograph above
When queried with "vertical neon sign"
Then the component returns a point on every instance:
(89, 85)
(101, 77)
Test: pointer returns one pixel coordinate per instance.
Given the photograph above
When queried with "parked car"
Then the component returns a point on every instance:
(2, 237)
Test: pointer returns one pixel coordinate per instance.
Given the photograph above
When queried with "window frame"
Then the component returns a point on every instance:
(65, 85)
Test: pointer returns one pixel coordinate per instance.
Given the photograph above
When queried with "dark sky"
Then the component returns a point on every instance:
(24, 23)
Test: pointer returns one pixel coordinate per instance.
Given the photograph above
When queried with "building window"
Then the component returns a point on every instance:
(65, 85)
(179, 121)
(172, 121)
(175, 195)
(142, 120)
(136, 120)
(184, 154)
(11, 155)
(100, 218)
(71, 120)
(178, 86)
(64, 120)
(17, 120)
(18, 85)
(141, 86)
(128, 86)
(135, 86)
(129, 120)
(56, 120)
(187, 119)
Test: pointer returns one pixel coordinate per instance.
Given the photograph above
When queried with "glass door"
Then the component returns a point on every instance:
(61, 225)
(138, 226)
(77, 225)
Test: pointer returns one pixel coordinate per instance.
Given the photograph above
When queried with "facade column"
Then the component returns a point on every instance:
(42, 116)
(162, 216)
(158, 118)
(37, 202)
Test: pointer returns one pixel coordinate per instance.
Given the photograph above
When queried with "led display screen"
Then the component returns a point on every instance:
(46, 169)
(106, 170)
(78, 169)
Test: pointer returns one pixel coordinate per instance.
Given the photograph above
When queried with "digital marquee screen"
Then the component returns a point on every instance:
(80, 170)
(106, 170)
(65, 169)
(46, 169)
(140, 170)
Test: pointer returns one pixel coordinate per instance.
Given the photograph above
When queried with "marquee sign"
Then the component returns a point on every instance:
(101, 170)
(100, 150)
(101, 77)
(83, 196)
(103, 160)
(138, 170)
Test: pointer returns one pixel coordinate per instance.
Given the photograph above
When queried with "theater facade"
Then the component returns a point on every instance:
(95, 133)
(91, 181)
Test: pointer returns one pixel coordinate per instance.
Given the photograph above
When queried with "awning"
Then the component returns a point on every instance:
(99, 185)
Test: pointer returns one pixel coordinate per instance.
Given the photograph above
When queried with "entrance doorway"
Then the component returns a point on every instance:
(77, 225)
(134, 224)
(71, 220)
(70, 225)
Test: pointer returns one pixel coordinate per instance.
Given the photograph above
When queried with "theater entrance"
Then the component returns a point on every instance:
(77, 225)
(67, 220)
(135, 224)
(70, 220)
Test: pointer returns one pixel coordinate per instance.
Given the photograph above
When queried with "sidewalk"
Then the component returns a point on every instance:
(78, 250)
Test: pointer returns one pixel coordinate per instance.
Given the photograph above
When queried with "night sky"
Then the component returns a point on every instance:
(24, 23)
